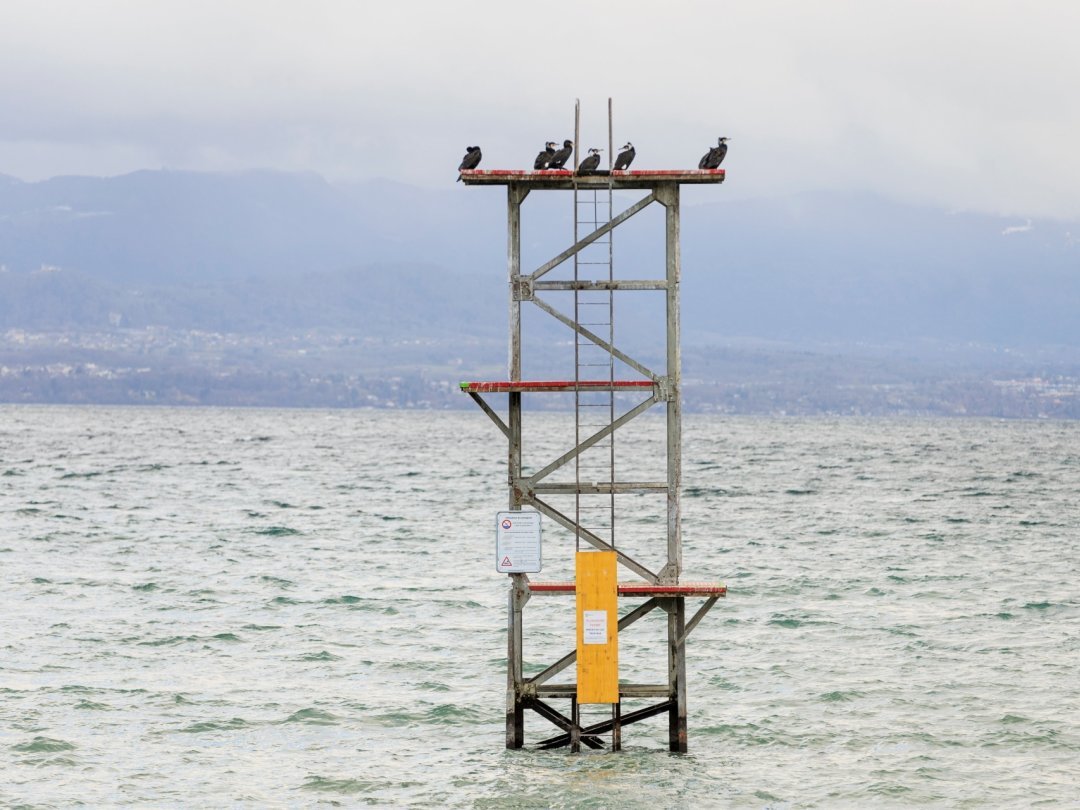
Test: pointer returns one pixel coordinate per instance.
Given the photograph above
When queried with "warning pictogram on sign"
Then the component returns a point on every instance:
(506, 563)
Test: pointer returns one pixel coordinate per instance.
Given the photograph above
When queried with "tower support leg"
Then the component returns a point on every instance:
(515, 704)
(677, 675)
(575, 728)
(668, 195)
(616, 726)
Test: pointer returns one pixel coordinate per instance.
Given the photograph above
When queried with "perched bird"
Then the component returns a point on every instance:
(558, 160)
(590, 164)
(715, 156)
(471, 159)
(625, 158)
(544, 158)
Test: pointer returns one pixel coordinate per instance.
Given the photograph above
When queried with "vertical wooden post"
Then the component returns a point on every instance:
(670, 199)
(515, 709)
(677, 735)
(616, 726)
(575, 726)
(677, 732)
(515, 196)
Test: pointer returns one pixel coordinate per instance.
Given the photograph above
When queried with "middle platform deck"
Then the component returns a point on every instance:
(516, 386)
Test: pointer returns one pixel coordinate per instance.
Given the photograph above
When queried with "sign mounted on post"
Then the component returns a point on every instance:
(517, 542)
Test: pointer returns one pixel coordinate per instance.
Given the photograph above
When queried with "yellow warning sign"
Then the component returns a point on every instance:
(597, 627)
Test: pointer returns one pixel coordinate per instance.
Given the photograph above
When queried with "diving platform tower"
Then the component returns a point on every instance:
(595, 487)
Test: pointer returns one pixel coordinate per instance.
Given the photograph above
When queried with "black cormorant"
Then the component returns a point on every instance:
(471, 159)
(625, 158)
(590, 164)
(558, 160)
(715, 156)
(544, 158)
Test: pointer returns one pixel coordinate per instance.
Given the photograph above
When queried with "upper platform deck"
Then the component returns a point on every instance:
(565, 179)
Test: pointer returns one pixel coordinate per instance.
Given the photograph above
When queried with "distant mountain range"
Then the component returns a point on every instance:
(857, 268)
(265, 251)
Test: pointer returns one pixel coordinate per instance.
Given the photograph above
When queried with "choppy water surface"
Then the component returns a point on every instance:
(288, 608)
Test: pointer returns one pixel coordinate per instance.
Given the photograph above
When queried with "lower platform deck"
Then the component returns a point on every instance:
(644, 589)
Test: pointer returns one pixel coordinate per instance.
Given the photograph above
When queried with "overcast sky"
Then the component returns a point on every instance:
(970, 105)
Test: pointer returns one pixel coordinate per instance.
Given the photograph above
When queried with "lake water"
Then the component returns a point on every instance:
(275, 608)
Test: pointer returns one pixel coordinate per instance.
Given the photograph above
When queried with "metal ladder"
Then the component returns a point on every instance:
(594, 410)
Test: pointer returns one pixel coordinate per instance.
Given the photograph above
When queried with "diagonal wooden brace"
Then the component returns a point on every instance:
(601, 434)
(584, 242)
(562, 721)
(605, 726)
(599, 341)
(593, 540)
(499, 423)
(569, 658)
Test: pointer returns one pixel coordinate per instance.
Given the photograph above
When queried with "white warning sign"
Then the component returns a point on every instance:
(594, 626)
(517, 542)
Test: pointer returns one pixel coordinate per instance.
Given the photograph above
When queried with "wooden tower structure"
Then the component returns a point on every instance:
(595, 487)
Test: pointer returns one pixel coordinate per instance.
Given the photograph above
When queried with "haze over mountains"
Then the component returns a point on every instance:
(269, 253)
